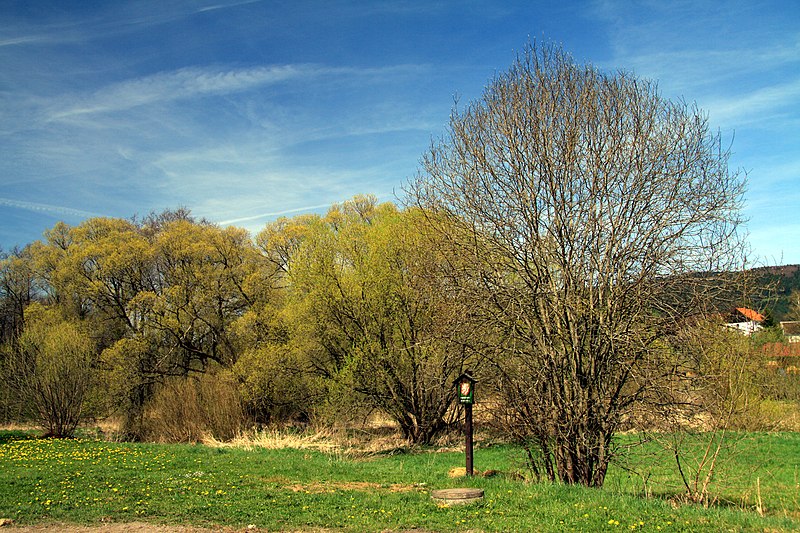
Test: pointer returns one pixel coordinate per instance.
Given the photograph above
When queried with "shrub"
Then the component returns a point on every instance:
(51, 370)
(190, 409)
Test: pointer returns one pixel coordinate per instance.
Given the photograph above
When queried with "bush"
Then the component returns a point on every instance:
(193, 408)
(51, 371)
(277, 386)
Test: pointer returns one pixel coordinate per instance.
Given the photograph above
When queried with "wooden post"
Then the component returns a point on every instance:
(468, 431)
(465, 384)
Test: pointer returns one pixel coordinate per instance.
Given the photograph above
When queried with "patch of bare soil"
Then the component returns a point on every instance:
(361, 486)
(121, 527)
(137, 527)
(140, 527)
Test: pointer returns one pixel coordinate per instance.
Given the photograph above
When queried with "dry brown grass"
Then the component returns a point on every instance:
(106, 428)
(187, 410)
(360, 442)
(780, 415)
(375, 436)
(339, 441)
(275, 438)
(18, 426)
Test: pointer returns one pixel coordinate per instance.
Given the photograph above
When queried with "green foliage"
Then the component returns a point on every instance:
(276, 384)
(51, 370)
(766, 335)
(165, 298)
(365, 292)
(780, 290)
(17, 286)
(161, 296)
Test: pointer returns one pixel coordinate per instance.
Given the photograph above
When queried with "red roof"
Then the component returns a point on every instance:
(778, 349)
(749, 314)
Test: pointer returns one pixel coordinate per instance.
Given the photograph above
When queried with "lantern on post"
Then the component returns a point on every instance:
(465, 386)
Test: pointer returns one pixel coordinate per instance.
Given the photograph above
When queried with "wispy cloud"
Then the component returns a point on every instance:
(255, 223)
(16, 41)
(118, 18)
(195, 82)
(760, 105)
(178, 85)
(690, 46)
(155, 12)
(703, 68)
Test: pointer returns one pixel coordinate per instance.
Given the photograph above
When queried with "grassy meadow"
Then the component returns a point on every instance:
(315, 485)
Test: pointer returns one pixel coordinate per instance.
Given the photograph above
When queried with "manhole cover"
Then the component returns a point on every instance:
(457, 496)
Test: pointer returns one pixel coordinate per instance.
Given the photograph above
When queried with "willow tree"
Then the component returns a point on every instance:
(587, 207)
(366, 294)
(161, 298)
(17, 289)
(50, 370)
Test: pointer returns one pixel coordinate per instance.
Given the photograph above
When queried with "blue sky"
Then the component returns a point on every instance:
(247, 110)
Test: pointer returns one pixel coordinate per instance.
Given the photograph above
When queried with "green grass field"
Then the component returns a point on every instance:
(88, 481)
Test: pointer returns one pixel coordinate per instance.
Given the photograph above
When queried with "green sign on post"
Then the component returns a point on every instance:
(466, 389)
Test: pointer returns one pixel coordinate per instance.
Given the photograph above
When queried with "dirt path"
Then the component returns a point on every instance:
(141, 527)
(122, 527)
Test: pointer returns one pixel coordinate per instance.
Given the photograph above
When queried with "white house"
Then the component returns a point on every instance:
(746, 320)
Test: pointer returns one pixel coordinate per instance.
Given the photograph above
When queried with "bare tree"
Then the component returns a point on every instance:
(592, 215)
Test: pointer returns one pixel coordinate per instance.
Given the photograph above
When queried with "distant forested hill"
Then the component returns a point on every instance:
(783, 280)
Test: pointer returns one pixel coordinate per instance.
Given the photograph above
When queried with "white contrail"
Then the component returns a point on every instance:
(48, 208)
(288, 211)
(274, 214)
